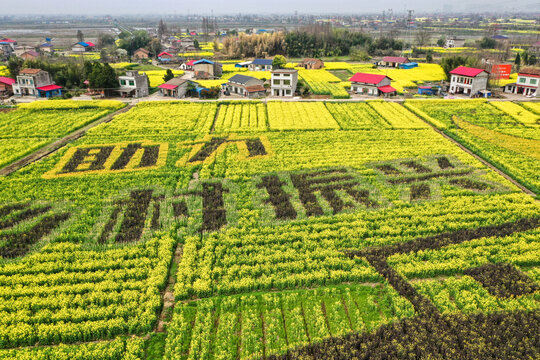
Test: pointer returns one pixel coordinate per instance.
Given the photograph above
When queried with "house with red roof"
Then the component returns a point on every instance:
(188, 65)
(468, 81)
(527, 82)
(35, 82)
(372, 84)
(83, 46)
(393, 61)
(6, 86)
(165, 57)
(176, 87)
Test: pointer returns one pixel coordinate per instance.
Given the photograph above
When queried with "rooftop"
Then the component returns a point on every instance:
(466, 71)
(29, 71)
(368, 78)
(262, 62)
(242, 79)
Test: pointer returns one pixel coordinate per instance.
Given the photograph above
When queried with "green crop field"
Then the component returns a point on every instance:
(279, 230)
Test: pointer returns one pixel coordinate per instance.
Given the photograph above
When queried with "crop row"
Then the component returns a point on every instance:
(72, 311)
(260, 325)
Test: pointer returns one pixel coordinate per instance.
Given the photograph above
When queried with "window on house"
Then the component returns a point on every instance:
(522, 80)
(286, 82)
(288, 92)
(287, 75)
(122, 82)
(131, 82)
(276, 82)
(533, 81)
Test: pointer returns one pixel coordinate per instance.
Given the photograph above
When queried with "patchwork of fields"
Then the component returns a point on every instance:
(279, 230)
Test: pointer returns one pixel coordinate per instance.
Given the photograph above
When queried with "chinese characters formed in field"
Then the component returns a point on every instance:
(32, 223)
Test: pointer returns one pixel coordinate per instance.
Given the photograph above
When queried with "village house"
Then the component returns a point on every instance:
(372, 84)
(166, 57)
(176, 88)
(6, 86)
(133, 84)
(311, 64)
(261, 65)
(453, 42)
(141, 54)
(393, 61)
(283, 82)
(247, 86)
(83, 46)
(207, 69)
(7, 47)
(30, 55)
(526, 84)
(21, 49)
(468, 81)
(35, 82)
(187, 66)
(46, 48)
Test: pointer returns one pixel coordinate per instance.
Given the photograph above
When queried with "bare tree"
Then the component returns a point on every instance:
(423, 37)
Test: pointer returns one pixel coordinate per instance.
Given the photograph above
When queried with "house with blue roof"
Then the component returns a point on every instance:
(83, 46)
(261, 65)
(207, 69)
(46, 48)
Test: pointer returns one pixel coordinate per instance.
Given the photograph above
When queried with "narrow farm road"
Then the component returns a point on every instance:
(50, 148)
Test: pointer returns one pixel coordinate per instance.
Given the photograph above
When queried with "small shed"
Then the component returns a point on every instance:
(409, 65)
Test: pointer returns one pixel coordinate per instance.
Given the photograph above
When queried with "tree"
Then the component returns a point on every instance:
(162, 29)
(517, 61)
(103, 77)
(429, 56)
(422, 37)
(441, 42)
(168, 75)
(279, 62)
(196, 44)
(155, 47)
(105, 40)
(359, 54)
(531, 59)
(80, 36)
(14, 65)
(451, 62)
(487, 43)
(132, 42)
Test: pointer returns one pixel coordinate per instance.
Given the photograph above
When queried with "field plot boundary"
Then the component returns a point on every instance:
(50, 148)
(481, 159)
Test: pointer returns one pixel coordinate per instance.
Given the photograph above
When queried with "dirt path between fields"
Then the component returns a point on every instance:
(168, 295)
(485, 162)
(58, 144)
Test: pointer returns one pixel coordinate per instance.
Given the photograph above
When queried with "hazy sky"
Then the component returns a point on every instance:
(259, 6)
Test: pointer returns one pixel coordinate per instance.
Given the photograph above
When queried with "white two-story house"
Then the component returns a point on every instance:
(283, 82)
(133, 84)
(468, 81)
(526, 84)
